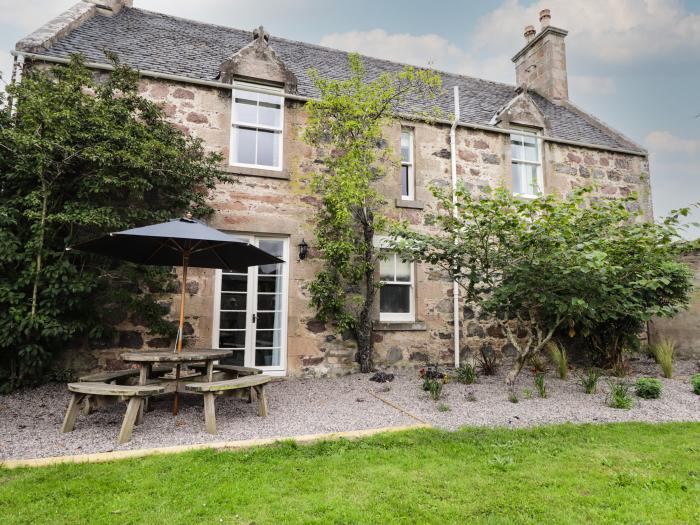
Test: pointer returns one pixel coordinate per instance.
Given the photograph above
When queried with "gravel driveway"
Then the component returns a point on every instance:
(30, 419)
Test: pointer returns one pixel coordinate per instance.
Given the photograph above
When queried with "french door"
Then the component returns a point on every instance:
(250, 310)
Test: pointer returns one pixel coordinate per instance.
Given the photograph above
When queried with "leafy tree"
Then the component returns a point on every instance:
(346, 123)
(80, 157)
(535, 266)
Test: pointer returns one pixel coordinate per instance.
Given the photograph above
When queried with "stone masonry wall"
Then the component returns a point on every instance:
(283, 206)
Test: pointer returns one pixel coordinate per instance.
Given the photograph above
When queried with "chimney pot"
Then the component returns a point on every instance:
(529, 33)
(545, 18)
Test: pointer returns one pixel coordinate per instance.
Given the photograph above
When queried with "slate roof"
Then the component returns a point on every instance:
(166, 44)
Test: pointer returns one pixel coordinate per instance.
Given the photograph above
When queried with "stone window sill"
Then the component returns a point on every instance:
(256, 172)
(416, 205)
(416, 326)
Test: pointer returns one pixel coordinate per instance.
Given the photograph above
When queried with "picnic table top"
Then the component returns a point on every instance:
(168, 356)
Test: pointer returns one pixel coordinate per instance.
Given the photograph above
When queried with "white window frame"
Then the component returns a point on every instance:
(249, 349)
(256, 90)
(410, 316)
(521, 131)
(411, 163)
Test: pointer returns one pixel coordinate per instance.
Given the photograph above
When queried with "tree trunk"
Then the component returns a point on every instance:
(35, 289)
(363, 331)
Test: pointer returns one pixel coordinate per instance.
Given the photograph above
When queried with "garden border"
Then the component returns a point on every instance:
(101, 457)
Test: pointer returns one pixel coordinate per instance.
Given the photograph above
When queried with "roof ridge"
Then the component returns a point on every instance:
(327, 48)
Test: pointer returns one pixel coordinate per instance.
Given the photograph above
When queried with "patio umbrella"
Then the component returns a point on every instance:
(179, 242)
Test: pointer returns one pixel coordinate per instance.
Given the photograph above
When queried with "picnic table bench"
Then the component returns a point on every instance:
(254, 383)
(135, 393)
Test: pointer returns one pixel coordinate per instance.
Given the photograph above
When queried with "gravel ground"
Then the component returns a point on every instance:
(30, 419)
(566, 401)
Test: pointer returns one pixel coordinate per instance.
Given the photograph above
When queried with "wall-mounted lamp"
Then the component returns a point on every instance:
(303, 250)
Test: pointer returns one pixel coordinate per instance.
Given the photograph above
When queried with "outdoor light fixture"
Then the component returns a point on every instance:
(303, 250)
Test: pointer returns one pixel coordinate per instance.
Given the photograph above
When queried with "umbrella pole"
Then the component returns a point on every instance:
(185, 261)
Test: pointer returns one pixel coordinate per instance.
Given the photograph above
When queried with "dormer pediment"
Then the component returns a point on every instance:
(521, 110)
(258, 62)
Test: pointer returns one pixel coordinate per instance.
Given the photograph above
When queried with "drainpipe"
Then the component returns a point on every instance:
(453, 158)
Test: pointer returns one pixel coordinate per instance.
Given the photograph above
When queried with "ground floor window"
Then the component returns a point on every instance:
(250, 310)
(397, 294)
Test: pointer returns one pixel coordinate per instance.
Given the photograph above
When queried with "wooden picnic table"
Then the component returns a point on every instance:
(147, 359)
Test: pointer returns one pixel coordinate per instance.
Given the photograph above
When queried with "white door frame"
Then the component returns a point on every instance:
(249, 351)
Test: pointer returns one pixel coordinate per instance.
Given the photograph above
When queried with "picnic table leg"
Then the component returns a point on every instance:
(262, 399)
(132, 411)
(252, 395)
(144, 374)
(209, 413)
(71, 413)
(210, 371)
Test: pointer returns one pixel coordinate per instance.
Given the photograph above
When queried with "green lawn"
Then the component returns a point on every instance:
(621, 473)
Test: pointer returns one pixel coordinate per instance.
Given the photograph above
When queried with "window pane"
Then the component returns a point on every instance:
(271, 284)
(233, 301)
(403, 270)
(406, 146)
(405, 181)
(233, 339)
(269, 301)
(236, 359)
(245, 111)
(386, 268)
(267, 357)
(232, 320)
(516, 142)
(270, 112)
(267, 338)
(234, 283)
(531, 183)
(244, 145)
(268, 320)
(395, 298)
(530, 144)
(272, 247)
(518, 186)
(268, 148)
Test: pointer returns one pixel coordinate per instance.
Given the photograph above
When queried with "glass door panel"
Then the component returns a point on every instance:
(268, 331)
(233, 314)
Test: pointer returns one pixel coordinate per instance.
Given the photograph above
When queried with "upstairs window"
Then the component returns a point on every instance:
(526, 157)
(407, 168)
(396, 295)
(256, 135)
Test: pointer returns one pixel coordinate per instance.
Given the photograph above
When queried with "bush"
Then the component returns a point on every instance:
(539, 384)
(648, 388)
(466, 374)
(558, 355)
(442, 407)
(513, 397)
(488, 362)
(663, 353)
(433, 387)
(695, 382)
(619, 396)
(589, 382)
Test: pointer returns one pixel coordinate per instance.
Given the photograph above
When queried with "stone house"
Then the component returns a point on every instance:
(244, 93)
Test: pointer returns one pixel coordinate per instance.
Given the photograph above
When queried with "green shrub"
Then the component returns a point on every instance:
(527, 393)
(513, 397)
(695, 382)
(589, 382)
(619, 396)
(663, 353)
(648, 388)
(433, 387)
(540, 385)
(466, 374)
(442, 407)
(558, 355)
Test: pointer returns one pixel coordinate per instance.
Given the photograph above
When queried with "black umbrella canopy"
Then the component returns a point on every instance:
(164, 245)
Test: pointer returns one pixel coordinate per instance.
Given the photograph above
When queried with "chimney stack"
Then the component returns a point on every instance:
(529, 33)
(541, 65)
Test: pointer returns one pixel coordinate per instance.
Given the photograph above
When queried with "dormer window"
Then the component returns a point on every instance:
(257, 120)
(526, 159)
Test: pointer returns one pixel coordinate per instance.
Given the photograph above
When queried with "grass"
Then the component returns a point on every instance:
(618, 473)
(663, 352)
(589, 381)
(558, 355)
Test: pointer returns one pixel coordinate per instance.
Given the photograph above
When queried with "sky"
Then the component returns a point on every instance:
(634, 64)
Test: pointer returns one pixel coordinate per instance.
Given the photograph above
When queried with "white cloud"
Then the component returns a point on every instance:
(663, 142)
(592, 85)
